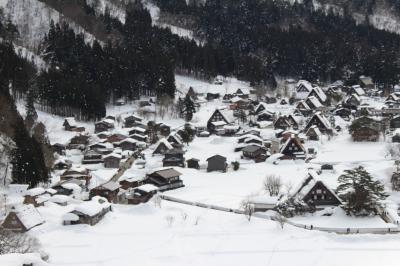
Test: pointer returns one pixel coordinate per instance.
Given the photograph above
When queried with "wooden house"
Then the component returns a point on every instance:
(316, 193)
(69, 124)
(78, 142)
(139, 137)
(265, 116)
(217, 163)
(365, 133)
(175, 140)
(366, 83)
(79, 173)
(108, 190)
(282, 123)
(243, 93)
(193, 163)
(130, 121)
(21, 219)
(293, 149)
(128, 144)
(313, 103)
(303, 88)
(344, 113)
(165, 179)
(131, 181)
(353, 101)
(69, 187)
(162, 147)
(356, 89)
(141, 194)
(116, 137)
(395, 122)
(260, 108)
(88, 212)
(313, 133)
(219, 119)
(255, 152)
(103, 125)
(212, 96)
(36, 196)
(318, 93)
(138, 130)
(302, 105)
(112, 160)
(173, 158)
(92, 157)
(321, 122)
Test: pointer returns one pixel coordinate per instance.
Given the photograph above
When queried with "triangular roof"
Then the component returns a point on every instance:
(217, 156)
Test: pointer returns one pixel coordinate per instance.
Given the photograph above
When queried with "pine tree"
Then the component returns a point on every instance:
(31, 114)
(360, 194)
(189, 108)
(180, 107)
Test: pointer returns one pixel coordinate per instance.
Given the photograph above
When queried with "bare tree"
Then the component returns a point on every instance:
(280, 219)
(170, 220)
(248, 208)
(273, 184)
(17, 243)
(157, 200)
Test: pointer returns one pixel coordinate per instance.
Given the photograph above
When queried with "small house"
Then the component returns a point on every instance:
(165, 179)
(321, 122)
(36, 196)
(365, 133)
(79, 173)
(219, 119)
(22, 218)
(260, 108)
(282, 123)
(79, 142)
(141, 194)
(173, 158)
(130, 121)
(103, 125)
(193, 163)
(112, 160)
(313, 102)
(263, 203)
(357, 89)
(69, 187)
(108, 190)
(69, 123)
(313, 133)
(316, 193)
(255, 152)
(162, 147)
(395, 122)
(216, 163)
(293, 149)
(318, 93)
(265, 116)
(88, 212)
(128, 144)
(366, 83)
(164, 129)
(131, 181)
(92, 157)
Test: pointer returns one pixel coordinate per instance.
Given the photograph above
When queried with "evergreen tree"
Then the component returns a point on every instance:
(31, 114)
(361, 195)
(189, 108)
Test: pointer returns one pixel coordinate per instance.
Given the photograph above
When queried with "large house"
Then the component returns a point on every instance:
(316, 193)
(219, 119)
(321, 122)
(165, 179)
(22, 218)
(217, 163)
(88, 212)
(293, 149)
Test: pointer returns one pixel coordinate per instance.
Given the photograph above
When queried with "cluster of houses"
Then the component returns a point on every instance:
(118, 142)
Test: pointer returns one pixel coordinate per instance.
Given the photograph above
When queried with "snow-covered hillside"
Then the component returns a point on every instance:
(32, 19)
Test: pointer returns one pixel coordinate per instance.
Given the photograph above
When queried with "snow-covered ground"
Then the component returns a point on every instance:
(177, 234)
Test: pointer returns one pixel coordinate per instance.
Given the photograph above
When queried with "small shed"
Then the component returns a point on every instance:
(193, 163)
(112, 160)
(217, 163)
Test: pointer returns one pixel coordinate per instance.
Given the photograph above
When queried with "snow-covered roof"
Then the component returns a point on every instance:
(237, 99)
(357, 88)
(113, 155)
(244, 91)
(147, 188)
(228, 115)
(315, 129)
(304, 104)
(165, 142)
(315, 101)
(71, 121)
(29, 216)
(264, 199)
(110, 185)
(17, 188)
(323, 119)
(304, 83)
(218, 123)
(35, 191)
(70, 217)
(92, 207)
(321, 94)
(59, 199)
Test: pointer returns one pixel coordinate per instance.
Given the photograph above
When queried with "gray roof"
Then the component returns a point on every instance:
(167, 173)
(251, 148)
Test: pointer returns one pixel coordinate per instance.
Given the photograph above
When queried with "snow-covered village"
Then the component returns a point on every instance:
(130, 133)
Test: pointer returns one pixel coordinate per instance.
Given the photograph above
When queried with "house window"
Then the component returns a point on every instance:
(319, 191)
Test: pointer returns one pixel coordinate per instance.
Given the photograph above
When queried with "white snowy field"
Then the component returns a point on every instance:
(181, 235)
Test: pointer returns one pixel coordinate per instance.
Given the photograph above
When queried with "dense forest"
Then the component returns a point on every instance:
(28, 163)
(292, 40)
